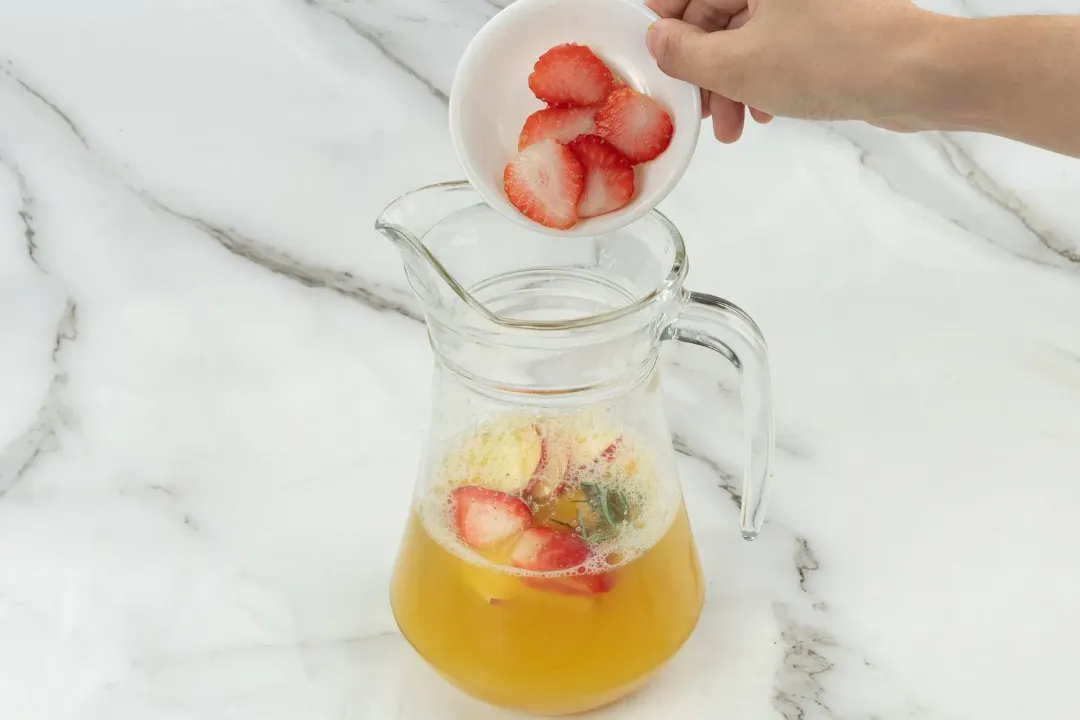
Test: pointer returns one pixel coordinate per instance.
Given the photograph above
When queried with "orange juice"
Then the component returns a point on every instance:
(583, 581)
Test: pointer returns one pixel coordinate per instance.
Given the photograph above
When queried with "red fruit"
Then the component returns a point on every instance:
(584, 584)
(570, 75)
(635, 124)
(609, 176)
(544, 182)
(545, 550)
(484, 517)
(563, 124)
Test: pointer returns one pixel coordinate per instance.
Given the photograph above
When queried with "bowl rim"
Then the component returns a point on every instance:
(587, 227)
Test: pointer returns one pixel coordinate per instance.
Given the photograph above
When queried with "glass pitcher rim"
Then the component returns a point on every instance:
(673, 279)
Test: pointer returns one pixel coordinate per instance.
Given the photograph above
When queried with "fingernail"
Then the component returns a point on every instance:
(649, 37)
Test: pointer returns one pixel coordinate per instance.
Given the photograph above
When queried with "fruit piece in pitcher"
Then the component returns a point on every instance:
(547, 550)
(503, 459)
(609, 176)
(544, 549)
(570, 75)
(493, 586)
(595, 445)
(550, 476)
(606, 453)
(582, 584)
(544, 182)
(635, 124)
(483, 518)
(562, 124)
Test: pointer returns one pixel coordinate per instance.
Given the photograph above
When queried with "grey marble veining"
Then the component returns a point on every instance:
(214, 384)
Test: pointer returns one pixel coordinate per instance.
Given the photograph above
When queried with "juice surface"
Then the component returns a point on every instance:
(529, 640)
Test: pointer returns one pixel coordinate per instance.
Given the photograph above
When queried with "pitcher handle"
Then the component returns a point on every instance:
(718, 325)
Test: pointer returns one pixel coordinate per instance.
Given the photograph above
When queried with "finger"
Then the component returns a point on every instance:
(667, 8)
(704, 103)
(710, 15)
(739, 19)
(687, 52)
(762, 118)
(728, 118)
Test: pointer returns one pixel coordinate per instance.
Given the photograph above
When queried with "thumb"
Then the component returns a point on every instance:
(687, 52)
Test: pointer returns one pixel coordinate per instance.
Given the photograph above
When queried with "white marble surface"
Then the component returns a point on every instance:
(213, 385)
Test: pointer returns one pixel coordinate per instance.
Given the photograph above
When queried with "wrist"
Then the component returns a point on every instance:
(923, 76)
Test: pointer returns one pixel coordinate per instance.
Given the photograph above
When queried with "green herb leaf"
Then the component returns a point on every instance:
(581, 525)
(592, 493)
(610, 505)
(618, 505)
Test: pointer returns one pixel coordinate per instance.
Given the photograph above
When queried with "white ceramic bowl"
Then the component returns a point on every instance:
(490, 98)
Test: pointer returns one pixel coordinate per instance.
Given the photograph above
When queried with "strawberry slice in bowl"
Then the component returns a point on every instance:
(484, 518)
(590, 51)
(609, 176)
(544, 182)
(571, 75)
(562, 124)
(638, 126)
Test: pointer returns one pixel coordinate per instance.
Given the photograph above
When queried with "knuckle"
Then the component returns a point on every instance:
(668, 48)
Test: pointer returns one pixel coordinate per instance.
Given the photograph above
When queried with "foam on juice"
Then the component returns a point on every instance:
(505, 452)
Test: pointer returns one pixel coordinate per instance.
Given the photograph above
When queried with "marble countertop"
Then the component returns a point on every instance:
(214, 387)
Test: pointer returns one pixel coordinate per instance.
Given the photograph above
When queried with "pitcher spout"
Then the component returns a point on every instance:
(411, 216)
(407, 220)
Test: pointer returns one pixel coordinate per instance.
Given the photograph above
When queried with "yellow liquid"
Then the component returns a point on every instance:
(539, 651)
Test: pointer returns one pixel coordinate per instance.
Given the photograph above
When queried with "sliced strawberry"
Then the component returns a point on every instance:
(546, 550)
(544, 182)
(635, 124)
(583, 584)
(563, 124)
(483, 517)
(551, 471)
(609, 176)
(570, 75)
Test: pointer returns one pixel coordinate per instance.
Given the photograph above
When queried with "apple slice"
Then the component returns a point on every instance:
(551, 473)
(503, 459)
(594, 446)
(605, 453)
(493, 586)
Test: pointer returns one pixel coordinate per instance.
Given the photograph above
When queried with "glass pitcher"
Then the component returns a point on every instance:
(548, 564)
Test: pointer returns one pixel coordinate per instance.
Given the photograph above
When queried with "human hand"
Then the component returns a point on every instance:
(728, 116)
(827, 59)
